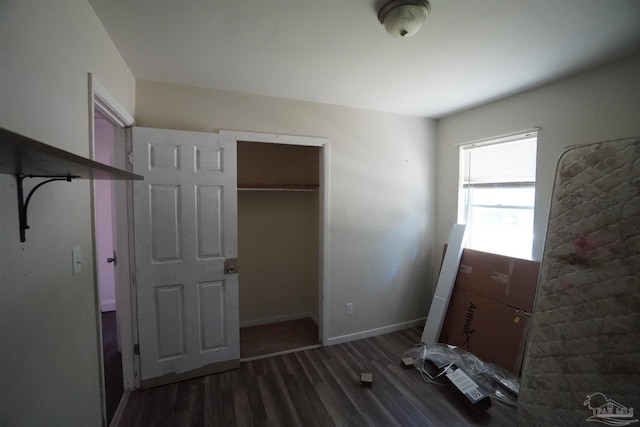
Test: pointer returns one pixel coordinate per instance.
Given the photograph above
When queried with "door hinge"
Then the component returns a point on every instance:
(136, 349)
(130, 157)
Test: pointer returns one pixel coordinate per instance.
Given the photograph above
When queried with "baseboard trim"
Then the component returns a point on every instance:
(377, 331)
(277, 319)
(280, 353)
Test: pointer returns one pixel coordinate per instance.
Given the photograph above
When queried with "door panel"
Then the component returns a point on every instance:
(209, 221)
(185, 229)
(165, 219)
(211, 297)
(169, 308)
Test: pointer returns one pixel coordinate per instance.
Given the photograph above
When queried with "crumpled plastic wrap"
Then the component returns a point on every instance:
(499, 383)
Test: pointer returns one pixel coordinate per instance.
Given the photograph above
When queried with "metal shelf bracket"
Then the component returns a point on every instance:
(23, 204)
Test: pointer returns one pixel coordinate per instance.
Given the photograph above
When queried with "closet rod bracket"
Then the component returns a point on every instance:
(23, 204)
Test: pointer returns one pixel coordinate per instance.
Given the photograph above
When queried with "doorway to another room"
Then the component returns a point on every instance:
(115, 328)
(279, 249)
(105, 226)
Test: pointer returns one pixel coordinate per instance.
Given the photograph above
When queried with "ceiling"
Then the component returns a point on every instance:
(335, 52)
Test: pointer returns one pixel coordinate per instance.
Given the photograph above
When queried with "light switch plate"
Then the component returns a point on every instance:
(76, 259)
(349, 309)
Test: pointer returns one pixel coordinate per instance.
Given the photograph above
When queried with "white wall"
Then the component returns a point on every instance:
(382, 172)
(600, 105)
(49, 349)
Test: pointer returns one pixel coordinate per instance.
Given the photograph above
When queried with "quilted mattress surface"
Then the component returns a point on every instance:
(582, 362)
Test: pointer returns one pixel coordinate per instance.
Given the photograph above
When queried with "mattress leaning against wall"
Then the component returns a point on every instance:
(583, 356)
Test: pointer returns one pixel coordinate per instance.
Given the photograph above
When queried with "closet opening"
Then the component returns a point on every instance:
(278, 247)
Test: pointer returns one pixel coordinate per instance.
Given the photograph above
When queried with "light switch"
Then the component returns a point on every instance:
(76, 258)
(349, 309)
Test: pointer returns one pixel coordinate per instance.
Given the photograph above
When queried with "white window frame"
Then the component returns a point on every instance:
(463, 194)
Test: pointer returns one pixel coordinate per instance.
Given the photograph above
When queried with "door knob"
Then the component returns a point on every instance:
(231, 266)
(113, 260)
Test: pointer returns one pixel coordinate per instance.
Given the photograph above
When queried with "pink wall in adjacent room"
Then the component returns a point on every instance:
(104, 152)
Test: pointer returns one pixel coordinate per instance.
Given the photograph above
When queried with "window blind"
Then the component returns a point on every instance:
(507, 162)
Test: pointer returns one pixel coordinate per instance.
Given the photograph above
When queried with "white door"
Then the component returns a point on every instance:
(185, 214)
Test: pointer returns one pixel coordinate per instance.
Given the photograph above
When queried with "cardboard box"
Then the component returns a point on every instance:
(490, 307)
(493, 331)
(511, 281)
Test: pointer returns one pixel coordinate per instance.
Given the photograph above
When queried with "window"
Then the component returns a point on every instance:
(497, 194)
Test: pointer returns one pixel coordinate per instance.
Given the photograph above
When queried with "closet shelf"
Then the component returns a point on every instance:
(24, 157)
(277, 187)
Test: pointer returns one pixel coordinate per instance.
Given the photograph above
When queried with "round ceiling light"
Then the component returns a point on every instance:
(404, 18)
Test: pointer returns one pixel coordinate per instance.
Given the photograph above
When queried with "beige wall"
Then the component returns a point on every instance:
(49, 349)
(599, 105)
(381, 174)
(278, 252)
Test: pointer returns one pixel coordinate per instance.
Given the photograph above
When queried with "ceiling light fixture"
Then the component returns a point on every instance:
(404, 18)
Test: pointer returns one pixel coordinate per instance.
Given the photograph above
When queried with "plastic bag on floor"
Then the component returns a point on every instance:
(433, 359)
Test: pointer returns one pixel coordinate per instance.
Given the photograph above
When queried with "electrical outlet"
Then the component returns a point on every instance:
(349, 309)
(76, 259)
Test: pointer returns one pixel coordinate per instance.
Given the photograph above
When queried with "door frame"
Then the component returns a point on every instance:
(101, 100)
(324, 145)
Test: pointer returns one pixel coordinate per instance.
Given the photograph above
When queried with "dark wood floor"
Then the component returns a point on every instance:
(319, 387)
(112, 363)
(276, 337)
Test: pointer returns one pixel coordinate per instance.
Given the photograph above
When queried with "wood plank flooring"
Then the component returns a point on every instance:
(276, 337)
(112, 363)
(319, 387)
